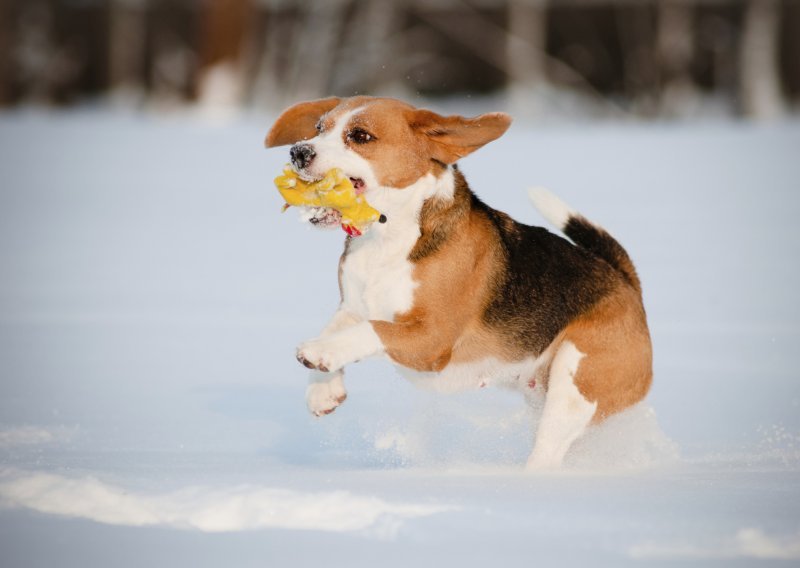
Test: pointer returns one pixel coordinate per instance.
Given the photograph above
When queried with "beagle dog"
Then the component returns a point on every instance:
(460, 295)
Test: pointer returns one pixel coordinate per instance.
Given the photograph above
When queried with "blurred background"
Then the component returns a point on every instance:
(542, 58)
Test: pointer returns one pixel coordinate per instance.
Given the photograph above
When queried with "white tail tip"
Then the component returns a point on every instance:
(551, 207)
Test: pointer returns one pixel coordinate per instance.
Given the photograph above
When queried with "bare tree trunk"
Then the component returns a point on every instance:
(269, 83)
(5, 58)
(313, 52)
(223, 32)
(675, 46)
(526, 48)
(527, 21)
(760, 81)
(126, 50)
(635, 32)
(366, 52)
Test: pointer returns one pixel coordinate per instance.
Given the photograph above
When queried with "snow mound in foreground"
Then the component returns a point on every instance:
(226, 509)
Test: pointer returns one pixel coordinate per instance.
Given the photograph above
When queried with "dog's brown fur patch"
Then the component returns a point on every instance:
(617, 369)
(454, 260)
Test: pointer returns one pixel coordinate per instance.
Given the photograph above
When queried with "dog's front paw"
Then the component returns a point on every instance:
(324, 397)
(320, 355)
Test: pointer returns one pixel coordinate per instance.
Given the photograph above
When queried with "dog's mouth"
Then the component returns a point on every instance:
(358, 183)
(325, 217)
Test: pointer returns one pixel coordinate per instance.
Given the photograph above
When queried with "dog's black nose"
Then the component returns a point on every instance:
(302, 154)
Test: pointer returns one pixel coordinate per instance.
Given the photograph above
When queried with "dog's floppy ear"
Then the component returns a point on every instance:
(453, 137)
(298, 122)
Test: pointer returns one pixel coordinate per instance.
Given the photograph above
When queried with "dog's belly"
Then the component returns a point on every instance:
(458, 377)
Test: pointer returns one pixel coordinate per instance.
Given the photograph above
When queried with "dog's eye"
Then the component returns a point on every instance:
(319, 127)
(360, 136)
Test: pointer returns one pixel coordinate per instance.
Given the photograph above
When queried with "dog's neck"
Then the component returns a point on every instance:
(404, 207)
(440, 216)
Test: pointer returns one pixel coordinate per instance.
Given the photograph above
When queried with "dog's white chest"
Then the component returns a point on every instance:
(377, 277)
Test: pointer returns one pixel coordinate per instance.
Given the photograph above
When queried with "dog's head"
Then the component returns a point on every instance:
(379, 143)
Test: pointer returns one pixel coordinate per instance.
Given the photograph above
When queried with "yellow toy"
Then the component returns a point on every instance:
(334, 191)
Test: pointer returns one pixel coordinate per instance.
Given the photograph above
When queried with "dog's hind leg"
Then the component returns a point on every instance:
(566, 412)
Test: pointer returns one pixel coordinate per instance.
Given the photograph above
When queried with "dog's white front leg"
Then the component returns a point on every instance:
(340, 320)
(332, 352)
(326, 391)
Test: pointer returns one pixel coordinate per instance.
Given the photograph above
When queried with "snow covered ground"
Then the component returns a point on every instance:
(152, 413)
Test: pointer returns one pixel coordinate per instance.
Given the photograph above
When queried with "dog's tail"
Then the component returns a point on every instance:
(585, 234)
